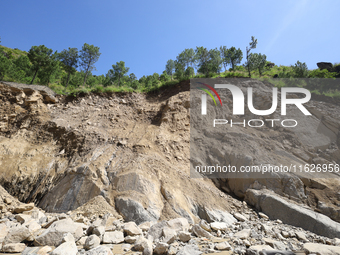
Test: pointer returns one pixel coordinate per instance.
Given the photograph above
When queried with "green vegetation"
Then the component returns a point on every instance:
(40, 65)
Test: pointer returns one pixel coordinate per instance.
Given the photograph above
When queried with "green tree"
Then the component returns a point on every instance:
(164, 77)
(252, 45)
(39, 57)
(203, 57)
(190, 57)
(69, 60)
(89, 55)
(300, 70)
(50, 70)
(215, 61)
(223, 52)
(257, 61)
(170, 67)
(5, 65)
(118, 71)
(179, 69)
(189, 72)
(233, 56)
(132, 77)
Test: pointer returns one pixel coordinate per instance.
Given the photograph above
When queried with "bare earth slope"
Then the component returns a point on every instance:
(133, 149)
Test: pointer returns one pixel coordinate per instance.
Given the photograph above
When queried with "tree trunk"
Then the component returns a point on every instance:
(34, 76)
(85, 78)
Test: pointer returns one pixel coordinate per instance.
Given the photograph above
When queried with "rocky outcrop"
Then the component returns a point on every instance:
(278, 208)
(325, 65)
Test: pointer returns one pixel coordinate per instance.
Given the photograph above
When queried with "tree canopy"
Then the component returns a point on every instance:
(89, 55)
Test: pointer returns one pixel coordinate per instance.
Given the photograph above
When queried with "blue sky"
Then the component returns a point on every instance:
(145, 34)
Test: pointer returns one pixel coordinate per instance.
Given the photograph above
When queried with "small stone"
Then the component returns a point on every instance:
(169, 235)
(24, 207)
(243, 234)
(205, 225)
(189, 250)
(219, 226)
(301, 236)
(240, 217)
(99, 231)
(92, 242)
(172, 250)
(200, 232)
(223, 246)
(131, 229)
(102, 250)
(183, 236)
(285, 234)
(130, 239)
(145, 226)
(114, 237)
(161, 248)
(67, 248)
(68, 237)
(263, 216)
(14, 247)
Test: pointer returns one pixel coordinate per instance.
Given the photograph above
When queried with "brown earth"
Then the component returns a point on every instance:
(134, 150)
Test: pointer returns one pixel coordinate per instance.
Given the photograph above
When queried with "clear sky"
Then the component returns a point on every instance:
(145, 34)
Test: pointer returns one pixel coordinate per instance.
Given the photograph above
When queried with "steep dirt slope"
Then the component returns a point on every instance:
(133, 149)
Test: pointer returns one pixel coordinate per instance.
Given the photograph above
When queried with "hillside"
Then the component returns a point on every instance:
(132, 151)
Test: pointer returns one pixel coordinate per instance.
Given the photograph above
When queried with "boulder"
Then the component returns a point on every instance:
(130, 228)
(316, 248)
(17, 235)
(23, 207)
(67, 248)
(92, 242)
(160, 248)
(189, 249)
(223, 246)
(289, 213)
(243, 234)
(55, 233)
(100, 250)
(184, 236)
(219, 226)
(200, 232)
(114, 237)
(14, 247)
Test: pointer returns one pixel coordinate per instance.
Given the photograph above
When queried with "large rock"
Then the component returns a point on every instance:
(3, 231)
(278, 208)
(67, 248)
(17, 235)
(133, 211)
(55, 233)
(322, 249)
(92, 242)
(14, 247)
(130, 228)
(189, 249)
(200, 232)
(100, 250)
(113, 237)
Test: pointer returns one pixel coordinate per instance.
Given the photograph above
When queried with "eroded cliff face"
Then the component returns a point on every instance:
(315, 140)
(134, 150)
